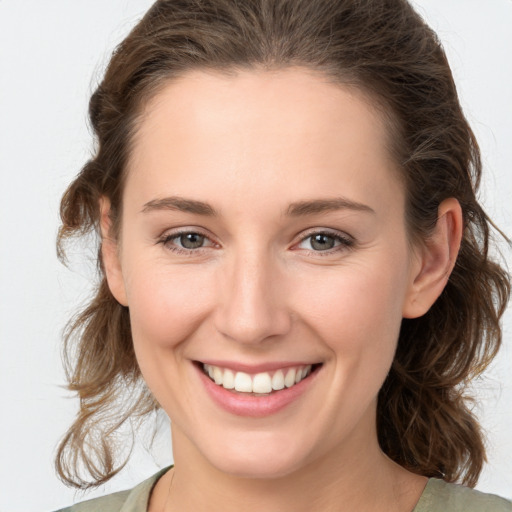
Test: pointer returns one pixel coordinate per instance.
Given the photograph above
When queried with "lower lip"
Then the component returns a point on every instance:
(252, 405)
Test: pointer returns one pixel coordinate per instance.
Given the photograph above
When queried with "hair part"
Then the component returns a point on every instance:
(384, 49)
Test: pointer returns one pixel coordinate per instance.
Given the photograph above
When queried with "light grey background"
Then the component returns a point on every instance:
(51, 54)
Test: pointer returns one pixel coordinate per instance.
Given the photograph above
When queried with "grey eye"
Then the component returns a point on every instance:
(325, 242)
(191, 240)
(322, 242)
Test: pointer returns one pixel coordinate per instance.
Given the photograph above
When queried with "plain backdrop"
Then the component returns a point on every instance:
(52, 54)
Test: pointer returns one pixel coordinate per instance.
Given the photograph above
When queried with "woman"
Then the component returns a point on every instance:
(295, 266)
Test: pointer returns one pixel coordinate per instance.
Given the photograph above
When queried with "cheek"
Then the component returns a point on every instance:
(166, 304)
(356, 310)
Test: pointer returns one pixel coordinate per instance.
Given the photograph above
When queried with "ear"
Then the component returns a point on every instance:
(434, 260)
(110, 254)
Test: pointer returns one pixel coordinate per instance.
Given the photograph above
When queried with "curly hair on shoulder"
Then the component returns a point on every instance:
(383, 48)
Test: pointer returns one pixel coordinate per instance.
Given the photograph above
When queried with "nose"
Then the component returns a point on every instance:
(252, 306)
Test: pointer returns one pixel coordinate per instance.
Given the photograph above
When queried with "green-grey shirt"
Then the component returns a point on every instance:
(438, 496)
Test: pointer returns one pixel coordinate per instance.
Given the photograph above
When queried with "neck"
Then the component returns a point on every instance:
(370, 482)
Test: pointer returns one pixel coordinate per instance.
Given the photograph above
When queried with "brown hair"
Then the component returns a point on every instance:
(385, 49)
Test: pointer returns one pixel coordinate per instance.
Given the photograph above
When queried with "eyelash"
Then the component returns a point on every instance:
(166, 239)
(344, 242)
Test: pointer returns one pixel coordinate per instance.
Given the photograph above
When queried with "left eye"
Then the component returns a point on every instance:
(323, 242)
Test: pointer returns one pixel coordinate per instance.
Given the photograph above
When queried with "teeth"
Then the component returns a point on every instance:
(229, 379)
(289, 380)
(278, 380)
(261, 383)
(243, 382)
(217, 375)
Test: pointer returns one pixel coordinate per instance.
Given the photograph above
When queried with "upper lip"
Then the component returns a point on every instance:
(256, 368)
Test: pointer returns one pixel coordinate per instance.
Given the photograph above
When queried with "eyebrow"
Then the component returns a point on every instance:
(297, 209)
(301, 208)
(180, 204)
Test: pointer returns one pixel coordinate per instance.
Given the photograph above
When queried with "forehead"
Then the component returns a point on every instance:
(298, 98)
(255, 128)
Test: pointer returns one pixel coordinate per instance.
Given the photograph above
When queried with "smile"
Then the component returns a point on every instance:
(257, 391)
(259, 383)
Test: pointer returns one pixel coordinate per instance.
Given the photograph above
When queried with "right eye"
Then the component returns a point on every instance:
(190, 240)
(185, 241)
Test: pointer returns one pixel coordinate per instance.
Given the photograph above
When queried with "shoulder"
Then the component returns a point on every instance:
(110, 503)
(131, 500)
(442, 496)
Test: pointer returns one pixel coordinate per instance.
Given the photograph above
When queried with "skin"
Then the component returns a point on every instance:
(250, 145)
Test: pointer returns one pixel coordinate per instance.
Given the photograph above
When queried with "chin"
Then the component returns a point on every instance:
(259, 458)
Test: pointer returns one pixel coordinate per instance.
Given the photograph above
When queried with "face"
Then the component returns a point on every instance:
(265, 263)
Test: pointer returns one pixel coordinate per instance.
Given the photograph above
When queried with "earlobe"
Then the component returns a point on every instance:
(435, 260)
(110, 254)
